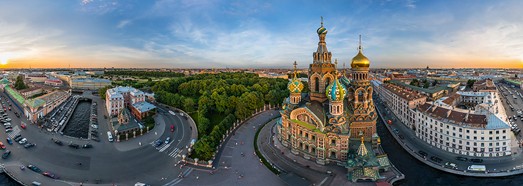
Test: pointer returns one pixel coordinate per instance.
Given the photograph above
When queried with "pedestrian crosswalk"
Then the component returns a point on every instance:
(164, 147)
(175, 152)
(16, 131)
(182, 175)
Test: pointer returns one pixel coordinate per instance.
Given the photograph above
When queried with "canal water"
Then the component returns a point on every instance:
(78, 125)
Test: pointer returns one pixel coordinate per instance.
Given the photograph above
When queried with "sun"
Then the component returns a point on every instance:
(3, 60)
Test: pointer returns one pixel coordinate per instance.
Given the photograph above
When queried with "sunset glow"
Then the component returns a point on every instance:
(178, 34)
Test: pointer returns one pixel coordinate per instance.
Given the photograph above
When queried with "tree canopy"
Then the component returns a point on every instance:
(19, 84)
(218, 100)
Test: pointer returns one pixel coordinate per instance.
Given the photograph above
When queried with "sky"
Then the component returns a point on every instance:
(258, 33)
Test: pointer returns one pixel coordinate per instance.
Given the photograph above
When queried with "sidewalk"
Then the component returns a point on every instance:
(145, 139)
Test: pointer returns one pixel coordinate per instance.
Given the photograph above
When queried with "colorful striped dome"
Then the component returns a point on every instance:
(336, 91)
(321, 30)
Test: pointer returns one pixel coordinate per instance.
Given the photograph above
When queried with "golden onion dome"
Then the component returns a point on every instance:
(360, 60)
(336, 91)
(295, 86)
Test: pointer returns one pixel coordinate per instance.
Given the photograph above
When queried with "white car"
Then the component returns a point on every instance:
(94, 126)
(22, 141)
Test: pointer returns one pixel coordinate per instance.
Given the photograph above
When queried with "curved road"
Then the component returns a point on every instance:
(235, 169)
(124, 162)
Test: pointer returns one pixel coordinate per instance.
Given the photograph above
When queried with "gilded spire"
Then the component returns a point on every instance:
(359, 46)
(362, 150)
(295, 64)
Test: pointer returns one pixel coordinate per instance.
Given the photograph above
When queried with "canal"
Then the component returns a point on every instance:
(78, 125)
(417, 173)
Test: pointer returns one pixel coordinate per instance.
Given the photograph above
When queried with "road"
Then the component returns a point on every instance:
(124, 162)
(235, 169)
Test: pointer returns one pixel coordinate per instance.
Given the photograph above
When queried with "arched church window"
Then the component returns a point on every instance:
(327, 81)
(316, 84)
(360, 95)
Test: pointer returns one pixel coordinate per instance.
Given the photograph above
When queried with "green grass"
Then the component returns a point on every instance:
(304, 124)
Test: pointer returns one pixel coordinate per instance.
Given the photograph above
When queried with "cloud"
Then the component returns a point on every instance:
(410, 4)
(123, 23)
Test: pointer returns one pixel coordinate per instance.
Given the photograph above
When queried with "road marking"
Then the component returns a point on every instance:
(322, 182)
(165, 147)
(175, 152)
(185, 173)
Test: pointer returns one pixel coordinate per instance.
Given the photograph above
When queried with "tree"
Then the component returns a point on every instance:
(426, 84)
(102, 91)
(435, 82)
(19, 84)
(203, 150)
(188, 104)
(414, 82)
(470, 83)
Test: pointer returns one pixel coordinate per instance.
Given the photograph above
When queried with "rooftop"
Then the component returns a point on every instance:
(402, 92)
(143, 106)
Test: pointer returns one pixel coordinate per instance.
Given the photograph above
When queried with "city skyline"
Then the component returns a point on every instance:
(264, 34)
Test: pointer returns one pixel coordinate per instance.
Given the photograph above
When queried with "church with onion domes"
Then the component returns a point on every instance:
(335, 122)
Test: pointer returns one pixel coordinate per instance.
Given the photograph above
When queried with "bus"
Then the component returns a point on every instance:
(110, 136)
(479, 168)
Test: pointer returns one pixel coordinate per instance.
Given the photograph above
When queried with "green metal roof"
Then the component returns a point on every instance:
(35, 103)
(15, 95)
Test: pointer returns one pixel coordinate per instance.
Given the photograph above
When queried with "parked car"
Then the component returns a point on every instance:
(422, 153)
(22, 141)
(18, 137)
(451, 165)
(23, 125)
(34, 168)
(6, 154)
(72, 145)
(58, 142)
(2, 146)
(476, 160)
(9, 140)
(8, 130)
(436, 159)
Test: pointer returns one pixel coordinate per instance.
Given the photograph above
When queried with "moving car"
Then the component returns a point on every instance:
(23, 125)
(2, 146)
(157, 143)
(172, 128)
(29, 145)
(50, 175)
(6, 154)
(167, 140)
